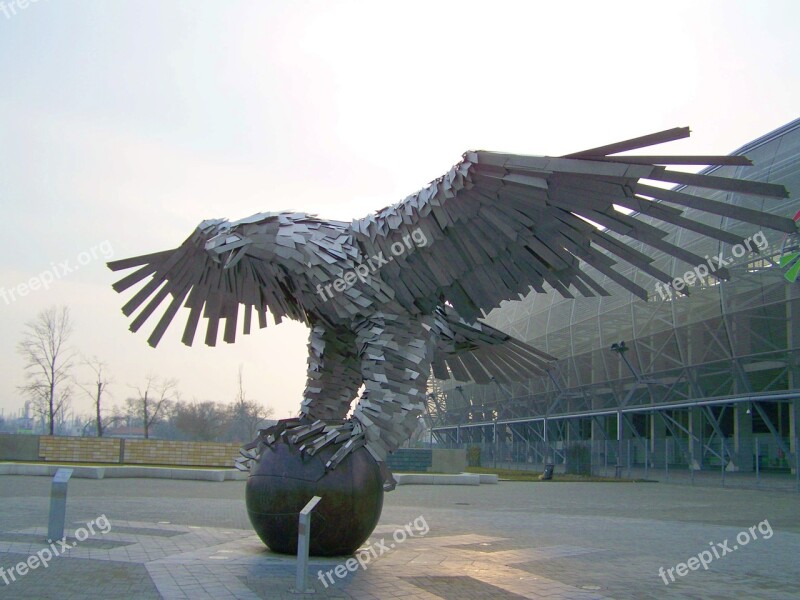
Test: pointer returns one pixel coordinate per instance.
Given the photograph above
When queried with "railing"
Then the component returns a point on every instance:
(760, 464)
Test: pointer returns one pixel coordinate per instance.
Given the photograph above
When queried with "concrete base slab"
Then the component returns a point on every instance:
(444, 479)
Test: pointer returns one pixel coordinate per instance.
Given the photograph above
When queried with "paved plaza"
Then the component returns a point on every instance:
(192, 540)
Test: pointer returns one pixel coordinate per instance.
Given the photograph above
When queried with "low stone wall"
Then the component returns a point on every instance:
(417, 460)
(75, 449)
(449, 461)
(422, 460)
(54, 449)
(190, 454)
(19, 447)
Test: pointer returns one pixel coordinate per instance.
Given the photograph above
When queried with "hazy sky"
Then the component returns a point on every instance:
(124, 124)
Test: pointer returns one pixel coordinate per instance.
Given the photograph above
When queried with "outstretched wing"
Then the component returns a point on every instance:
(497, 225)
(190, 277)
(479, 352)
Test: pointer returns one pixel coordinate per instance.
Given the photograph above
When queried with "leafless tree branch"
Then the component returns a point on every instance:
(48, 364)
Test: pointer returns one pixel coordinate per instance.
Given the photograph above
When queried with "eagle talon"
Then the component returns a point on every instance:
(322, 435)
(313, 436)
(268, 437)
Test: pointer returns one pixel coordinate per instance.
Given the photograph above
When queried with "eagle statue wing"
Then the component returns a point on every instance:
(210, 288)
(498, 225)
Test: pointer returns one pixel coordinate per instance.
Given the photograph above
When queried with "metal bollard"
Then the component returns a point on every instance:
(303, 539)
(58, 504)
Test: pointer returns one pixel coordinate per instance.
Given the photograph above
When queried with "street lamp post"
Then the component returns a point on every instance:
(620, 349)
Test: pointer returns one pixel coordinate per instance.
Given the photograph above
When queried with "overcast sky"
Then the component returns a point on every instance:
(124, 124)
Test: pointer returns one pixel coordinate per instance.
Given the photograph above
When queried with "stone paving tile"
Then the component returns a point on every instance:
(460, 587)
(39, 540)
(234, 563)
(74, 579)
(149, 531)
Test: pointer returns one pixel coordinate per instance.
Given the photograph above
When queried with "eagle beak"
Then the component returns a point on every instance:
(227, 248)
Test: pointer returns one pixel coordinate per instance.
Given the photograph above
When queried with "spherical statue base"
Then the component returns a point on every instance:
(282, 481)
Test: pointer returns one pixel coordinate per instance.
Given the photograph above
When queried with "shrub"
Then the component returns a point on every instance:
(474, 456)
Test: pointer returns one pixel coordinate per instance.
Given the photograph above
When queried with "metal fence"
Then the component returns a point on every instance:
(666, 460)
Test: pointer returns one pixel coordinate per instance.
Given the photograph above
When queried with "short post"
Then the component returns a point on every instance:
(666, 458)
(758, 465)
(494, 438)
(303, 541)
(620, 425)
(58, 504)
(796, 414)
(722, 457)
(629, 458)
(646, 458)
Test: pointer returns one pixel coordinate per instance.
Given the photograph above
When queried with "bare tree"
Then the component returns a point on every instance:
(48, 363)
(246, 415)
(241, 395)
(153, 398)
(200, 421)
(96, 389)
(125, 414)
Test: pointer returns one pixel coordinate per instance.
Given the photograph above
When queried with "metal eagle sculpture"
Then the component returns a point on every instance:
(399, 294)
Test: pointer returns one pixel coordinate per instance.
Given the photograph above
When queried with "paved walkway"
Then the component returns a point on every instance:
(186, 539)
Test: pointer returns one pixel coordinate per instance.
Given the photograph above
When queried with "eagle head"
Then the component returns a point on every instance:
(225, 241)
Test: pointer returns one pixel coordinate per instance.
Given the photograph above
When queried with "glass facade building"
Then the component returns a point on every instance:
(715, 371)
